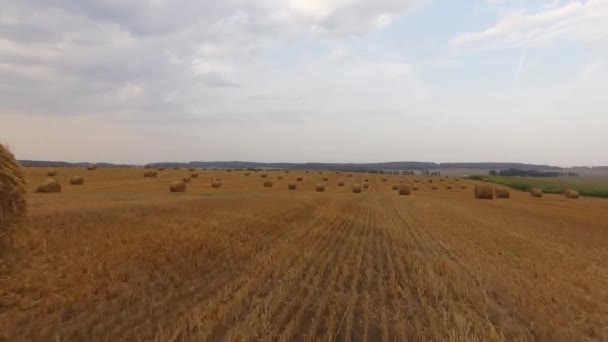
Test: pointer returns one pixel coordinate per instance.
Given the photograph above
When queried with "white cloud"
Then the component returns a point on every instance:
(575, 20)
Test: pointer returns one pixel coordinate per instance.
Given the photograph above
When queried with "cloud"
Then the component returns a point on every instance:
(575, 21)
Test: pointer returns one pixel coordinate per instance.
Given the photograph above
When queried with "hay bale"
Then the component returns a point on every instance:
(405, 190)
(52, 173)
(186, 179)
(448, 187)
(366, 185)
(247, 173)
(341, 183)
(430, 181)
(299, 179)
(49, 186)
(306, 171)
(415, 187)
(325, 179)
(292, 186)
(161, 169)
(395, 187)
(287, 171)
(194, 175)
(536, 193)
(147, 166)
(464, 187)
(571, 194)
(264, 175)
(12, 190)
(177, 186)
(357, 189)
(280, 177)
(434, 187)
(320, 187)
(350, 176)
(216, 183)
(441, 179)
(176, 168)
(483, 192)
(384, 179)
(366, 180)
(150, 174)
(268, 184)
(77, 180)
(92, 167)
(502, 193)
(192, 169)
(416, 181)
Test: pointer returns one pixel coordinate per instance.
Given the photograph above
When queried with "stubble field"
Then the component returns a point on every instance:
(121, 258)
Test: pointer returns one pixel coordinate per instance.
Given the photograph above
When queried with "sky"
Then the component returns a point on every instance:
(305, 80)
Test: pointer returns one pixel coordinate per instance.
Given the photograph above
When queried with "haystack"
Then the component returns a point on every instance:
(177, 186)
(161, 169)
(434, 187)
(92, 167)
(147, 166)
(186, 179)
(192, 169)
(247, 173)
(292, 186)
(150, 174)
(268, 184)
(430, 181)
(12, 190)
(415, 187)
(77, 180)
(194, 175)
(405, 190)
(357, 189)
(395, 187)
(571, 194)
(350, 176)
(384, 179)
(264, 175)
(49, 186)
(299, 179)
(366, 180)
(52, 173)
(341, 183)
(449, 187)
(536, 192)
(320, 187)
(502, 193)
(366, 185)
(483, 191)
(216, 183)
(325, 179)
(280, 177)
(415, 181)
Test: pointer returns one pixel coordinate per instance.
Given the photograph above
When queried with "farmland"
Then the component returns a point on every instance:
(120, 257)
(588, 186)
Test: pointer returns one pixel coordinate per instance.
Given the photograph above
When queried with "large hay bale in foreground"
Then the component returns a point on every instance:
(357, 189)
(92, 167)
(571, 194)
(52, 173)
(77, 180)
(216, 183)
(320, 187)
(502, 193)
(536, 193)
(49, 186)
(268, 184)
(483, 191)
(292, 186)
(150, 174)
(177, 186)
(12, 190)
(405, 190)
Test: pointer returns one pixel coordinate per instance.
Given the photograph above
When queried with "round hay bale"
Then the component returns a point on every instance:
(416, 181)
(415, 187)
(177, 186)
(571, 194)
(464, 187)
(405, 190)
(448, 187)
(280, 177)
(384, 179)
(192, 169)
(434, 187)
(150, 174)
(536, 193)
(320, 187)
(502, 193)
(320, 172)
(92, 167)
(49, 186)
(350, 176)
(12, 190)
(147, 166)
(268, 184)
(441, 179)
(216, 183)
(247, 173)
(264, 175)
(430, 181)
(299, 179)
(77, 180)
(161, 169)
(287, 171)
(357, 189)
(325, 179)
(366, 180)
(176, 168)
(341, 183)
(186, 179)
(483, 192)
(292, 186)
(228, 170)
(52, 173)
(194, 175)
(366, 185)
(395, 187)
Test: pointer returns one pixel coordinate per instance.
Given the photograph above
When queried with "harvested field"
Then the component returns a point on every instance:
(122, 258)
